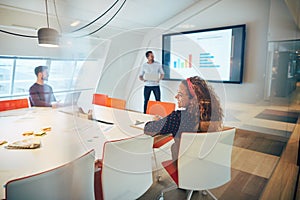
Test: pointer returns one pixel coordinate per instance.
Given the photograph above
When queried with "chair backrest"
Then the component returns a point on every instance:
(116, 103)
(74, 180)
(100, 99)
(127, 168)
(160, 108)
(205, 159)
(14, 104)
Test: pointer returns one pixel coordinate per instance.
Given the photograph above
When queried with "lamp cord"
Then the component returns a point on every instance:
(47, 13)
(59, 25)
(96, 18)
(31, 36)
(105, 23)
(17, 34)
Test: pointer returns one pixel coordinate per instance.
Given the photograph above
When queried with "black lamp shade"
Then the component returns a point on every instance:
(48, 37)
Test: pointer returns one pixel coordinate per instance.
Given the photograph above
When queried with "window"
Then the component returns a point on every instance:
(6, 70)
(17, 75)
(24, 75)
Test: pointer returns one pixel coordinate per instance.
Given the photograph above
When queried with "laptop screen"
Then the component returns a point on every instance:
(72, 98)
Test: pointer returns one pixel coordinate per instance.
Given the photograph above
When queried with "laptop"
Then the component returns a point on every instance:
(151, 77)
(72, 98)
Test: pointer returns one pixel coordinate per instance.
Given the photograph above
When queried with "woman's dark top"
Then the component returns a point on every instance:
(175, 123)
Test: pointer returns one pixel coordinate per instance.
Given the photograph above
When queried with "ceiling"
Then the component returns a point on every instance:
(28, 16)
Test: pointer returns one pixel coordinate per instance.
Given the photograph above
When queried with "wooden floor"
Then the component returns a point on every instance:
(298, 189)
(242, 186)
(282, 184)
(254, 158)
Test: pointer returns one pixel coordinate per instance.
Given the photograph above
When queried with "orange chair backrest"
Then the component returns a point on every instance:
(116, 103)
(100, 99)
(14, 104)
(160, 108)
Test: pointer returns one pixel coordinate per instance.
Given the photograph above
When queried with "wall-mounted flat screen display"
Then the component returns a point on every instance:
(216, 54)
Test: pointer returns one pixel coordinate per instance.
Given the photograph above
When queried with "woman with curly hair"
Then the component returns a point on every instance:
(200, 111)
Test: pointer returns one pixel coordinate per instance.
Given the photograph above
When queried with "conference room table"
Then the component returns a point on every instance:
(70, 137)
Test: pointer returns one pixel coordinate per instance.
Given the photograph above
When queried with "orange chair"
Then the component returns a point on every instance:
(100, 99)
(116, 103)
(160, 108)
(14, 104)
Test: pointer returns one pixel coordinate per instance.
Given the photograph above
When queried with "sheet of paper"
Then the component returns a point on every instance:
(106, 127)
(138, 124)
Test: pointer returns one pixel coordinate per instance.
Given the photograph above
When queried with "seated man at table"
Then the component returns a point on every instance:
(40, 93)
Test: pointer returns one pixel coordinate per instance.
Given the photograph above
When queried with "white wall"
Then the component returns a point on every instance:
(89, 75)
(255, 14)
(266, 20)
(119, 64)
(282, 25)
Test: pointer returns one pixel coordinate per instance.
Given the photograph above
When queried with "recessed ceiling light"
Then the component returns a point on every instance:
(75, 23)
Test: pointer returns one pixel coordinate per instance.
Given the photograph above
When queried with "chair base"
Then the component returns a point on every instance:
(205, 192)
(158, 176)
(189, 195)
(161, 196)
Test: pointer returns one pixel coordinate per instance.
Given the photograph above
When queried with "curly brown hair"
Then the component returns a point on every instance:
(206, 106)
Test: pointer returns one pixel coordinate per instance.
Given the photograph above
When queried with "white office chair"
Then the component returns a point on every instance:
(126, 171)
(73, 180)
(204, 162)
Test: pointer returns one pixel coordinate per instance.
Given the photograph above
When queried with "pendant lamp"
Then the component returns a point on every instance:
(48, 37)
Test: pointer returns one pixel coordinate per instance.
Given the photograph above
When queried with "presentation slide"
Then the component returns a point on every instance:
(205, 54)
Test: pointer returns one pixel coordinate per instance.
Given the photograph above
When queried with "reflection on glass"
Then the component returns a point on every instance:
(6, 68)
(285, 67)
(17, 75)
(24, 75)
(61, 74)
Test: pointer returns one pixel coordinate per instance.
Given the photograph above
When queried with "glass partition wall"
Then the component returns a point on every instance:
(17, 75)
(283, 71)
(282, 98)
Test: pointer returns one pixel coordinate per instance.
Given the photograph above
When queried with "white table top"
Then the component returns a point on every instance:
(70, 137)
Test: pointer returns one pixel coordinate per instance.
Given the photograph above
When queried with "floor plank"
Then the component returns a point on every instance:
(253, 162)
(241, 186)
(282, 184)
(260, 142)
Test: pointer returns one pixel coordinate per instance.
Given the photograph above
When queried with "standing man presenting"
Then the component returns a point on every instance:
(40, 93)
(151, 69)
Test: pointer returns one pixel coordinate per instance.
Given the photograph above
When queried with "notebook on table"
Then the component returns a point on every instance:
(31, 143)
